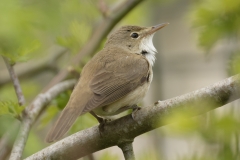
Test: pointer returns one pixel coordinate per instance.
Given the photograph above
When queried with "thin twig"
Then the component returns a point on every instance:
(31, 113)
(103, 7)
(127, 149)
(148, 118)
(16, 84)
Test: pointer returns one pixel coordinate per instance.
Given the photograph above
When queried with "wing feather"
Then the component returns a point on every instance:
(117, 79)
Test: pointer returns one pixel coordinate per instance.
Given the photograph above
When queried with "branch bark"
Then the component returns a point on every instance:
(32, 112)
(127, 149)
(103, 8)
(99, 33)
(16, 83)
(6, 141)
(88, 141)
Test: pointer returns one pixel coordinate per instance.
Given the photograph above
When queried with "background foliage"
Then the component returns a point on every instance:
(216, 22)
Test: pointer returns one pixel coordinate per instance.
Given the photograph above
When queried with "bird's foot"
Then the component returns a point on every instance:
(102, 125)
(102, 122)
(135, 108)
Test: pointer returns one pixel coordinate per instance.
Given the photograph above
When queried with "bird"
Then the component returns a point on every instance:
(114, 80)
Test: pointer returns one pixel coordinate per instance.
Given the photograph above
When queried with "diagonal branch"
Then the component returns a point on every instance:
(103, 8)
(6, 141)
(99, 33)
(32, 112)
(88, 141)
(16, 83)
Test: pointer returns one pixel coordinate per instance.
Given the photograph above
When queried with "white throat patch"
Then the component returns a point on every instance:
(147, 45)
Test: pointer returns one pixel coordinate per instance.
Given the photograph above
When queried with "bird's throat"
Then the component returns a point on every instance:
(147, 49)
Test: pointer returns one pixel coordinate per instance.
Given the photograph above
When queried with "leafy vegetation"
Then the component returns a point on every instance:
(217, 22)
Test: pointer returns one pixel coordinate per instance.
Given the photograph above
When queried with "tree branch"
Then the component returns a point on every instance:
(127, 149)
(88, 141)
(103, 8)
(100, 32)
(16, 84)
(6, 141)
(90, 157)
(32, 112)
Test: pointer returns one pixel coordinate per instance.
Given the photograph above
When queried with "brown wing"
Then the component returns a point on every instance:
(118, 78)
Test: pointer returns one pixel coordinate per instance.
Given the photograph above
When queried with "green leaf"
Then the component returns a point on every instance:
(10, 108)
(216, 20)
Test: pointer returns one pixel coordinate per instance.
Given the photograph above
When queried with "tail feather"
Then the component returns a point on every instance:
(63, 124)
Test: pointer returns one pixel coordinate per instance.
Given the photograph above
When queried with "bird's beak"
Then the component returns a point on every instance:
(154, 29)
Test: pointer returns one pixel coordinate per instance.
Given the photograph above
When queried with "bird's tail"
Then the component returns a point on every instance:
(63, 124)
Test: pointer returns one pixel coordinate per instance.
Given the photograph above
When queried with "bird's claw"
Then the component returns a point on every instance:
(135, 109)
(102, 123)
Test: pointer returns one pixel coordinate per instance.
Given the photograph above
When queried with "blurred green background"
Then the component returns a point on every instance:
(198, 48)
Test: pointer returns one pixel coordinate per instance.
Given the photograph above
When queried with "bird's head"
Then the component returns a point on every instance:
(136, 39)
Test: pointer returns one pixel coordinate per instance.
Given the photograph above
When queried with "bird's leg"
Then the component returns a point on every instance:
(101, 121)
(135, 108)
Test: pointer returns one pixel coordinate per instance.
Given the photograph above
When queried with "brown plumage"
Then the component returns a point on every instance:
(116, 77)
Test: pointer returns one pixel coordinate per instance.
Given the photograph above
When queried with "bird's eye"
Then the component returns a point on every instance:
(134, 35)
